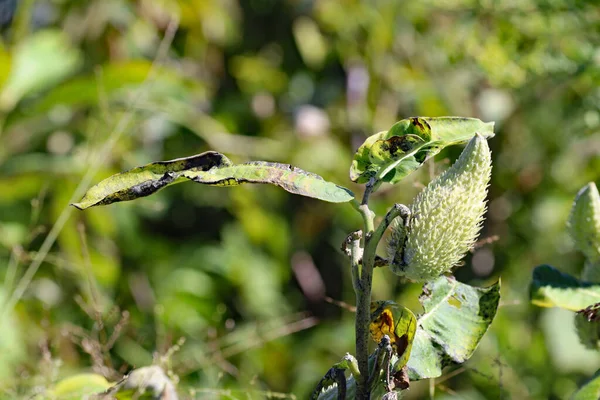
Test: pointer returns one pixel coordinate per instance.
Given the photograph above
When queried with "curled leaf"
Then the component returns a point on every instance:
(391, 155)
(399, 323)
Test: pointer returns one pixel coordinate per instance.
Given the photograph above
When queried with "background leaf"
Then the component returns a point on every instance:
(79, 386)
(553, 288)
(39, 62)
(456, 318)
(590, 390)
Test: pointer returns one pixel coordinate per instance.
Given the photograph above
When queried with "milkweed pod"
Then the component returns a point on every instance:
(446, 217)
(584, 224)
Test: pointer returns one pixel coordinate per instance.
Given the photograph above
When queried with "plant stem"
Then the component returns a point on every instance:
(362, 275)
(363, 295)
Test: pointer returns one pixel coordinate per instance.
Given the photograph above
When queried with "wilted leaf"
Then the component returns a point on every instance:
(39, 62)
(399, 323)
(292, 179)
(589, 391)
(456, 318)
(148, 179)
(210, 168)
(552, 288)
(79, 386)
(392, 155)
(377, 391)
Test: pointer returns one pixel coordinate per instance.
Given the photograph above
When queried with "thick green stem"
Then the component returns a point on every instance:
(363, 319)
(363, 281)
(363, 295)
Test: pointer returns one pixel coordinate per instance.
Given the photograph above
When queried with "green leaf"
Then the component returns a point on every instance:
(589, 391)
(39, 62)
(552, 288)
(391, 155)
(210, 168)
(79, 386)
(588, 329)
(456, 318)
(148, 179)
(114, 79)
(292, 179)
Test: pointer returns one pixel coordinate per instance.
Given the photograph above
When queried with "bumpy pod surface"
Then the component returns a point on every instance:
(446, 217)
(584, 226)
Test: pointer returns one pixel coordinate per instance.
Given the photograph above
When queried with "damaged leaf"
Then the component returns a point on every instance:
(399, 323)
(390, 156)
(456, 318)
(292, 179)
(210, 168)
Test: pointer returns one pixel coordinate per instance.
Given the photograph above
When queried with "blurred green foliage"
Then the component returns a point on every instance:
(93, 88)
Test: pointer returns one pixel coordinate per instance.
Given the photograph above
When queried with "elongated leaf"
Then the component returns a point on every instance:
(148, 179)
(292, 179)
(210, 168)
(589, 391)
(456, 318)
(391, 155)
(552, 288)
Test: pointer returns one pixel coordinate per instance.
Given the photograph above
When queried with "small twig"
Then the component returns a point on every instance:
(340, 304)
(484, 242)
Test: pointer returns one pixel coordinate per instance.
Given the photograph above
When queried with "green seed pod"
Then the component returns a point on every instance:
(445, 217)
(584, 224)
